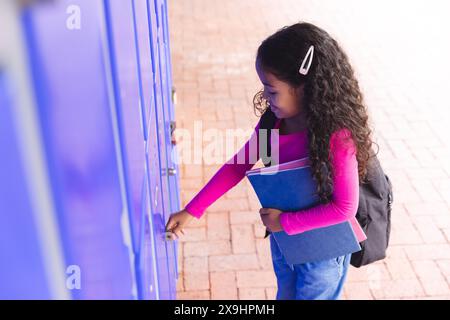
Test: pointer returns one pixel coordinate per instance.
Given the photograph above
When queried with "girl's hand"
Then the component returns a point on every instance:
(177, 221)
(271, 219)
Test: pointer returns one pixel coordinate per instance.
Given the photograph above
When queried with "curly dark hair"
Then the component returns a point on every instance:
(332, 97)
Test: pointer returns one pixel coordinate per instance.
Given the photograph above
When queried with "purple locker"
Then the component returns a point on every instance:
(101, 78)
(169, 177)
(173, 179)
(71, 85)
(131, 99)
(149, 284)
(153, 157)
(163, 127)
(24, 275)
(128, 105)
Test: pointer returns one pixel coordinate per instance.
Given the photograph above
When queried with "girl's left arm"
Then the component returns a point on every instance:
(344, 203)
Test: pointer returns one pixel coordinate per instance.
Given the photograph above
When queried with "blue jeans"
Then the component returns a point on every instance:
(323, 280)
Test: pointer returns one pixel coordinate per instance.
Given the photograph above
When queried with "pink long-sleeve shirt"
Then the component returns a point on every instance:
(343, 205)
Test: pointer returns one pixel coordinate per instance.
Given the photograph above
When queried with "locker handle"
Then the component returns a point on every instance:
(173, 126)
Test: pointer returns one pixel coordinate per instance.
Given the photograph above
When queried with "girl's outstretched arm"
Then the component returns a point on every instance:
(230, 174)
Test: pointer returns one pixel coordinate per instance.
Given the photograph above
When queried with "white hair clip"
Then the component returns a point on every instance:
(309, 56)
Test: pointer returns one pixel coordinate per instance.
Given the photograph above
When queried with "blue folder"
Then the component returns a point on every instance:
(293, 190)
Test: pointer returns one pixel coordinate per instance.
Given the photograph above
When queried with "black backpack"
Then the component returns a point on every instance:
(374, 209)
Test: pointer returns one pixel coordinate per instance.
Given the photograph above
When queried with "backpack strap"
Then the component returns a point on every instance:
(268, 121)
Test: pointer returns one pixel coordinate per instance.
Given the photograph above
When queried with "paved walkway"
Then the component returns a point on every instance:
(400, 52)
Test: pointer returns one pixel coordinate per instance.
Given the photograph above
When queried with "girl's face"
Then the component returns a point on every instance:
(285, 101)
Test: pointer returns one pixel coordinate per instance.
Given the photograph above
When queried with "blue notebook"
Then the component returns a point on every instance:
(291, 190)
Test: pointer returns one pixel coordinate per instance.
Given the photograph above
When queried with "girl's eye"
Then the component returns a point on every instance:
(272, 93)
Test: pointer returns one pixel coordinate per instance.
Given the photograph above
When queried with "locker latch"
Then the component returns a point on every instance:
(173, 126)
(171, 171)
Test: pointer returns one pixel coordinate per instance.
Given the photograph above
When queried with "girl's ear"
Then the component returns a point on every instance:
(299, 91)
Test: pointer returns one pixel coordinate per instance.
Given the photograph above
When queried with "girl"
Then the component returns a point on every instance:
(310, 87)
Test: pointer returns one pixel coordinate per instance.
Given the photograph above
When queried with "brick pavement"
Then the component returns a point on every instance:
(400, 53)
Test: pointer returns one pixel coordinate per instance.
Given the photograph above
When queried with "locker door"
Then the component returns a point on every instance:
(166, 68)
(173, 179)
(158, 179)
(149, 286)
(71, 83)
(24, 274)
(141, 28)
(131, 100)
(156, 217)
(152, 154)
(169, 176)
(121, 34)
